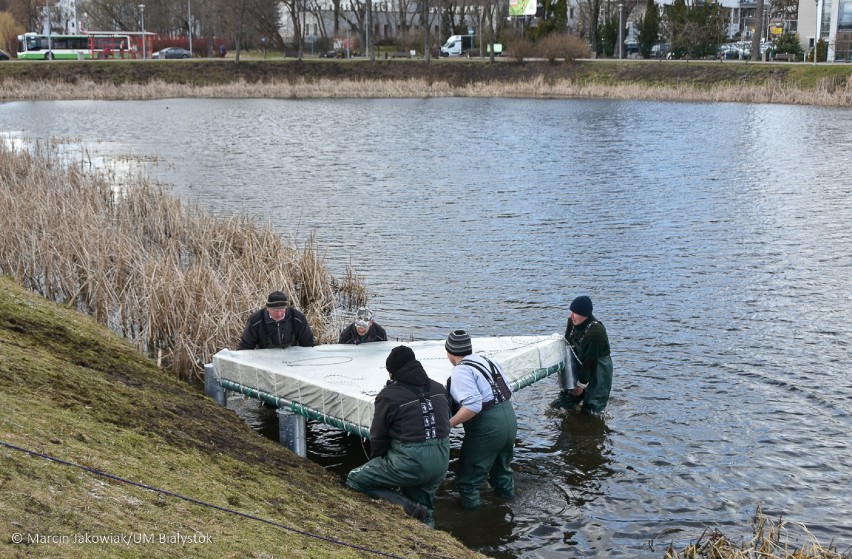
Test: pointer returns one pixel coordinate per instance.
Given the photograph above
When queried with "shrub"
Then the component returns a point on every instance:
(562, 46)
(788, 43)
(520, 48)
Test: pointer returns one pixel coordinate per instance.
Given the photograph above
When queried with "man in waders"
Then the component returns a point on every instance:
(409, 439)
(276, 326)
(589, 351)
(481, 403)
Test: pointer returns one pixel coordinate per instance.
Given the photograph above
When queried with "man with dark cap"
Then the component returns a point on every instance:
(409, 439)
(588, 348)
(276, 326)
(363, 330)
(481, 402)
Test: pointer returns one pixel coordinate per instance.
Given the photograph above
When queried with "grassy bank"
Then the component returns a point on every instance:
(73, 390)
(791, 83)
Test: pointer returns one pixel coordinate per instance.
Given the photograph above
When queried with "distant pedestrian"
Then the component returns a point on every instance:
(222, 51)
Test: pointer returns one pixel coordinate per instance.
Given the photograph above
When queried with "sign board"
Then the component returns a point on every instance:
(522, 7)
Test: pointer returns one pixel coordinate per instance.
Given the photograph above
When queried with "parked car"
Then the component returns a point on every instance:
(172, 52)
(4, 55)
(660, 50)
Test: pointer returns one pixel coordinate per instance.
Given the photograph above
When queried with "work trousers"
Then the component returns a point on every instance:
(417, 469)
(486, 453)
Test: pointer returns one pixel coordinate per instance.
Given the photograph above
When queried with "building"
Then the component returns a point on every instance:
(833, 18)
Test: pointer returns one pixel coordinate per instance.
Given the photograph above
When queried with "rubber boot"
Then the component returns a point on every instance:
(470, 501)
(565, 400)
(411, 508)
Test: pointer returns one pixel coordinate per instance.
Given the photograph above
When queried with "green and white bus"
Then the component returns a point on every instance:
(35, 46)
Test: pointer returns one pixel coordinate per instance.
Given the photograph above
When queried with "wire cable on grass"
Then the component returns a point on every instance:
(197, 502)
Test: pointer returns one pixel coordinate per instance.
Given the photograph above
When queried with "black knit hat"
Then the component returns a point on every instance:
(277, 300)
(458, 343)
(399, 356)
(582, 305)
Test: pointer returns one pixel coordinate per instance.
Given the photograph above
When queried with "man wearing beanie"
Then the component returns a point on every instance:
(409, 439)
(276, 326)
(590, 355)
(364, 329)
(481, 403)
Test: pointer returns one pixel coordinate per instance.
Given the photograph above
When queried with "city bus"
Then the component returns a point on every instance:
(36, 46)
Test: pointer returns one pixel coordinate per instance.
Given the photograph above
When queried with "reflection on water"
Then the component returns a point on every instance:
(713, 239)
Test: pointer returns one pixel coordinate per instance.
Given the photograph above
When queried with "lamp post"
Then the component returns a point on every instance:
(816, 35)
(142, 14)
(49, 33)
(189, 24)
(620, 30)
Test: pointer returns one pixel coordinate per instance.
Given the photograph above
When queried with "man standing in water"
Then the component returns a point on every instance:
(588, 346)
(276, 326)
(481, 402)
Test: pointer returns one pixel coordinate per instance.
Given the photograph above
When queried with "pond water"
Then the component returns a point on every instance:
(714, 240)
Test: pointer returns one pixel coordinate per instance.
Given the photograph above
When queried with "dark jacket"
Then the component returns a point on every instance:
(262, 332)
(399, 412)
(590, 344)
(375, 334)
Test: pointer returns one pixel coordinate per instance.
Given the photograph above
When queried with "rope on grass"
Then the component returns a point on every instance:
(196, 501)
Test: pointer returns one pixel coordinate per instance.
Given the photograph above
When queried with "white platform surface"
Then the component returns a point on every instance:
(342, 381)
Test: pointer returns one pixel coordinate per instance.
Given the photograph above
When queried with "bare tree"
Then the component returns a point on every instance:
(758, 31)
(589, 14)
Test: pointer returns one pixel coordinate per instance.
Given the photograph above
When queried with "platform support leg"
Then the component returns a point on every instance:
(212, 388)
(292, 431)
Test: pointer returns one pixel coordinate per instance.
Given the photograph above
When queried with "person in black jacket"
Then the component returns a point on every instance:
(363, 330)
(276, 326)
(409, 439)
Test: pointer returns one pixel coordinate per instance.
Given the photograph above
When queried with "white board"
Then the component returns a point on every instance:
(342, 381)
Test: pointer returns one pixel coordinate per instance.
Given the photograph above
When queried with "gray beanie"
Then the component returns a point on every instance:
(277, 300)
(458, 343)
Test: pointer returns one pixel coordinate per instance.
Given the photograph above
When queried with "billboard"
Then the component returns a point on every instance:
(522, 7)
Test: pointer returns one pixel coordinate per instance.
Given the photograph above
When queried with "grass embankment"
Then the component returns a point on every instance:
(71, 389)
(790, 83)
(176, 282)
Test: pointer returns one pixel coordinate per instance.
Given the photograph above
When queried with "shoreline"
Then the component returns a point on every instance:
(826, 85)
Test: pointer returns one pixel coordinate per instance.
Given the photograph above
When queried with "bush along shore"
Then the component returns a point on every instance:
(730, 81)
(174, 281)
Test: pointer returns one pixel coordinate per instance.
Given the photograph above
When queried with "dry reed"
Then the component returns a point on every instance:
(827, 93)
(770, 540)
(176, 282)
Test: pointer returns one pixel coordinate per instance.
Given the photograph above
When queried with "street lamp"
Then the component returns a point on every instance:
(620, 30)
(142, 14)
(816, 35)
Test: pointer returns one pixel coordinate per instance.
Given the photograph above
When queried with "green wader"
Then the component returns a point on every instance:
(486, 452)
(418, 469)
(596, 395)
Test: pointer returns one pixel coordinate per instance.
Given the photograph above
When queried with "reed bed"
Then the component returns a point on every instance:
(176, 282)
(827, 93)
(770, 540)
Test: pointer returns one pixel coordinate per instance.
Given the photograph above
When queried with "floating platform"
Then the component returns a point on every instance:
(337, 384)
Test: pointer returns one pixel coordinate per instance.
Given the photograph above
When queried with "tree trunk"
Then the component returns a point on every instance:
(758, 31)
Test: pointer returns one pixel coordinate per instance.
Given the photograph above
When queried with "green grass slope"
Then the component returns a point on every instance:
(72, 390)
